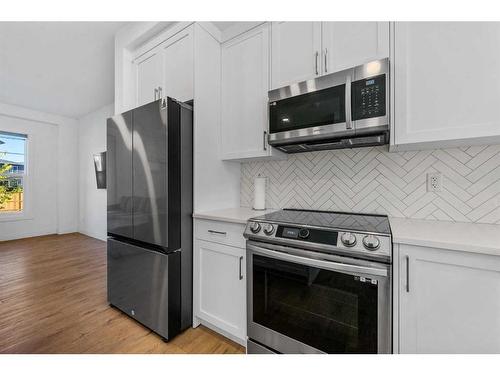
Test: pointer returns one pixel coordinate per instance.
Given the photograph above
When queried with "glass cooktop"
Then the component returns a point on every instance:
(330, 219)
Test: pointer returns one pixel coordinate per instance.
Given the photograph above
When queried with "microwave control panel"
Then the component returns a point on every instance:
(368, 98)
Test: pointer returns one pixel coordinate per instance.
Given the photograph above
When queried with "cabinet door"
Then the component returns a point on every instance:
(347, 44)
(446, 82)
(449, 301)
(220, 286)
(178, 68)
(149, 76)
(295, 52)
(245, 83)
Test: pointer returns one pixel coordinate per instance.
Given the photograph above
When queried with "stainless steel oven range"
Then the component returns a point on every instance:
(319, 282)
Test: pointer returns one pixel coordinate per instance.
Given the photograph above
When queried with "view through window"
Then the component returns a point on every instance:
(12, 171)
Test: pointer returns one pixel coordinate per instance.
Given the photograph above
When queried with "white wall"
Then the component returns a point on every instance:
(52, 190)
(92, 201)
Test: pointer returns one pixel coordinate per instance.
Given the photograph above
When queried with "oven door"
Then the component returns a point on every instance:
(318, 303)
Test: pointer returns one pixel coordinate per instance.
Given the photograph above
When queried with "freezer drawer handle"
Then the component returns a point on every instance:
(217, 232)
(316, 55)
(407, 274)
(241, 268)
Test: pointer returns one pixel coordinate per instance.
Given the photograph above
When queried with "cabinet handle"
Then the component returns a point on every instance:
(326, 60)
(407, 274)
(156, 93)
(217, 232)
(265, 141)
(316, 59)
(241, 268)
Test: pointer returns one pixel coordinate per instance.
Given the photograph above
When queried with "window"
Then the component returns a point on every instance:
(12, 171)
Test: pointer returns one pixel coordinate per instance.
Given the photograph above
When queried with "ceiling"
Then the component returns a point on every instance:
(65, 68)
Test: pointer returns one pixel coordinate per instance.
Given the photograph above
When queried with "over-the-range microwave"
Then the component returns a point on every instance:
(346, 109)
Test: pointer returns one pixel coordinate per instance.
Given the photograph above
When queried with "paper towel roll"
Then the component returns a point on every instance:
(259, 193)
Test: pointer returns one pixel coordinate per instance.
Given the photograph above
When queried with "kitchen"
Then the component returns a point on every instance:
(290, 187)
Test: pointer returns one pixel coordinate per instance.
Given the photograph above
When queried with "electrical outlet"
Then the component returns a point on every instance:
(434, 182)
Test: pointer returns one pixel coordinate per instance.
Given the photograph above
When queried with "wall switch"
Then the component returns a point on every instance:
(434, 182)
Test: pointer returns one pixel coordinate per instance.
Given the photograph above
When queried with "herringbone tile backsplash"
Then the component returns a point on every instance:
(372, 180)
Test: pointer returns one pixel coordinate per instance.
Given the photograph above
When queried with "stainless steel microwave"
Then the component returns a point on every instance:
(346, 109)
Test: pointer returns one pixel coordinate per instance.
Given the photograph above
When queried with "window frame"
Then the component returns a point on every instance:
(26, 212)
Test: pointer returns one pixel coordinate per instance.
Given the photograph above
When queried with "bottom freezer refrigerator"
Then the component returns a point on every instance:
(149, 188)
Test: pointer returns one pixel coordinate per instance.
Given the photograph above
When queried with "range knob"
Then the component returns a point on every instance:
(348, 239)
(371, 242)
(268, 229)
(304, 233)
(254, 227)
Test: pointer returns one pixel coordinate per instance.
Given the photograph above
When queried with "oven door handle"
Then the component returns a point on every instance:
(324, 264)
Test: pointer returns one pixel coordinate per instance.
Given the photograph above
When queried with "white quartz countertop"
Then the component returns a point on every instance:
(470, 237)
(238, 215)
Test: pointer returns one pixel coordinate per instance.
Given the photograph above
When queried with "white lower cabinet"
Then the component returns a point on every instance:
(449, 301)
(220, 287)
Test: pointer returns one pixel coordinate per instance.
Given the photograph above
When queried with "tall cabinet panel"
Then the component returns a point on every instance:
(296, 52)
(347, 44)
(446, 83)
(245, 83)
(150, 203)
(149, 76)
(119, 174)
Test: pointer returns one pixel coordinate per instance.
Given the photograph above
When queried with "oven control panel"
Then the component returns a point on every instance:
(306, 234)
(377, 245)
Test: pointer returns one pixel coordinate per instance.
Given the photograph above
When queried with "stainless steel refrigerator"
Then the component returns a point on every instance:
(149, 175)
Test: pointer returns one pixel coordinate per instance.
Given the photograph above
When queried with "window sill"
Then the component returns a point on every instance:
(17, 216)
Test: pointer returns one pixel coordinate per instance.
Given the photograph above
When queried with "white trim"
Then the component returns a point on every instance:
(159, 39)
(211, 29)
(238, 29)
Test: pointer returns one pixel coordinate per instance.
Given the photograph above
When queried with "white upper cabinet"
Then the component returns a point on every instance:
(296, 52)
(149, 76)
(304, 50)
(347, 44)
(178, 68)
(245, 84)
(446, 83)
(167, 69)
(449, 301)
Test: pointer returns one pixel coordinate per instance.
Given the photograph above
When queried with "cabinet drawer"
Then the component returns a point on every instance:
(220, 232)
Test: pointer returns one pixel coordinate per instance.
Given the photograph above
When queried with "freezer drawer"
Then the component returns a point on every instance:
(145, 284)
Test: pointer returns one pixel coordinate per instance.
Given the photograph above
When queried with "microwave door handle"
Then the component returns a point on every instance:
(348, 115)
(324, 264)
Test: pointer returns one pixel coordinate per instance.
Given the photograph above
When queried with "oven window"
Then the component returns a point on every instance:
(330, 311)
(318, 108)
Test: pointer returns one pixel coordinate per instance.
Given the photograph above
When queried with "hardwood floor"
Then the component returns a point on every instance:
(53, 300)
